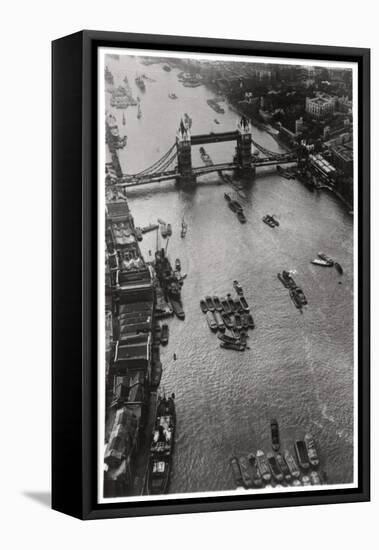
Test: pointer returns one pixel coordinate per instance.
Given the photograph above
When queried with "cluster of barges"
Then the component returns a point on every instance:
(296, 293)
(276, 468)
(230, 318)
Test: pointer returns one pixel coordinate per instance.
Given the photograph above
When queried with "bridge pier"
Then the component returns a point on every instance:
(243, 157)
(183, 148)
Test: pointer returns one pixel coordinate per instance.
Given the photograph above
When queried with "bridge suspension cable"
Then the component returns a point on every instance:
(157, 166)
(269, 153)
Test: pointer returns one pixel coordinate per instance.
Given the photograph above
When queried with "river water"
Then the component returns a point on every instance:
(299, 367)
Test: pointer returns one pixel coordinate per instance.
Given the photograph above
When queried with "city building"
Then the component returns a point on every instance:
(320, 106)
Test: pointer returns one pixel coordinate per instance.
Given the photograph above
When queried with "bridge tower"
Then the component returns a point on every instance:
(183, 149)
(243, 156)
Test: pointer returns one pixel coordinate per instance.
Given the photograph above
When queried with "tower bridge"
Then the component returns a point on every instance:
(176, 163)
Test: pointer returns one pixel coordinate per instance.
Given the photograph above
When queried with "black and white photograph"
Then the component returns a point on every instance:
(228, 256)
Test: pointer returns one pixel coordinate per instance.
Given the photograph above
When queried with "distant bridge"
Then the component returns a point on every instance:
(176, 163)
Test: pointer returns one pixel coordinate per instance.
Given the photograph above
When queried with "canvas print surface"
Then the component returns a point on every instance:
(227, 292)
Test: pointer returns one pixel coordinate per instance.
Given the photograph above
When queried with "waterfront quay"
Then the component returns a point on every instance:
(299, 367)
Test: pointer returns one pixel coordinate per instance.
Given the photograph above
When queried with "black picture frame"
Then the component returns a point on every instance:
(74, 272)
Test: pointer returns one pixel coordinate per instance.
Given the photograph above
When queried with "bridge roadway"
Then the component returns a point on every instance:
(129, 181)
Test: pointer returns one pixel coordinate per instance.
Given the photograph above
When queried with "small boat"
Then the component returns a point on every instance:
(236, 471)
(216, 121)
(203, 306)
(169, 230)
(263, 466)
(311, 450)
(283, 466)
(158, 475)
(315, 478)
(231, 303)
(217, 303)
(238, 321)
(184, 229)
(139, 111)
(209, 303)
(302, 454)
(234, 346)
(274, 467)
(226, 306)
(164, 230)
(211, 320)
(251, 321)
(325, 258)
(123, 119)
(244, 304)
(275, 439)
(172, 96)
(291, 463)
(268, 221)
(227, 321)
(306, 481)
(241, 217)
(164, 334)
(245, 472)
(338, 268)
(166, 68)
(274, 221)
(219, 321)
(156, 374)
(238, 288)
(322, 263)
(177, 264)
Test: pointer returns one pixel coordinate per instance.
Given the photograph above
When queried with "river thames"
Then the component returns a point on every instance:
(300, 367)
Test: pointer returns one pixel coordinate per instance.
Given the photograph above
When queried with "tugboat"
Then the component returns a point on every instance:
(236, 471)
(166, 68)
(302, 454)
(263, 466)
(311, 450)
(227, 197)
(291, 463)
(203, 306)
(209, 303)
(177, 264)
(216, 121)
(275, 440)
(140, 83)
(238, 288)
